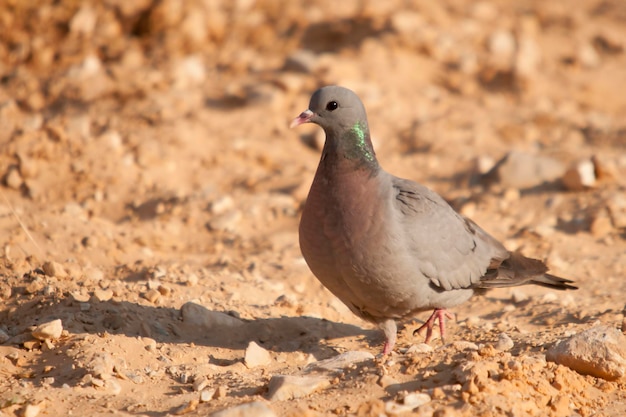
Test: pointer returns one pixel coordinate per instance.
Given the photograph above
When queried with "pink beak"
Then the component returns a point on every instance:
(305, 117)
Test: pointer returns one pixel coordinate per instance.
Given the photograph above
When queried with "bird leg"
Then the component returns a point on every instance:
(391, 335)
(440, 315)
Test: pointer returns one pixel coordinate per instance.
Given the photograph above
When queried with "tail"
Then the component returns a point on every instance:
(554, 282)
(520, 270)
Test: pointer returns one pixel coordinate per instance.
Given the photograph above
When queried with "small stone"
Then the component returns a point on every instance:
(599, 351)
(340, 361)
(31, 344)
(164, 290)
(580, 177)
(48, 330)
(192, 279)
(207, 395)
(255, 408)
(256, 356)
(504, 342)
(31, 410)
(222, 204)
(103, 295)
(227, 221)
(198, 315)
(386, 381)
(419, 348)
(462, 345)
(13, 179)
(85, 306)
(287, 387)
(200, 384)
(152, 295)
(410, 402)
(80, 297)
(415, 399)
(54, 269)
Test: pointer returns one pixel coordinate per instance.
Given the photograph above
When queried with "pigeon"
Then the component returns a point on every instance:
(388, 247)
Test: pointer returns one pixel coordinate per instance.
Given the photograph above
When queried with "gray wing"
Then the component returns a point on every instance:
(449, 249)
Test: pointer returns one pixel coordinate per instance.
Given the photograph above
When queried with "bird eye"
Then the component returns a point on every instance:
(332, 105)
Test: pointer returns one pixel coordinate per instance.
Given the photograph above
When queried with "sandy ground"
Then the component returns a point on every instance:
(146, 163)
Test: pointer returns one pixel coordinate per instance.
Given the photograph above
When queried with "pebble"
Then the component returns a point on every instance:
(103, 295)
(254, 408)
(504, 342)
(54, 269)
(419, 348)
(599, 351)
(287, 387)
(255, 356)
(112, 386)
(49, 330)
(207, 395)
(581, 176)
(340, 361)
(518, 296)
(31, 410)
(198, 315)
(152, 295)
(409, 403)
(13, 179)
(80, 297)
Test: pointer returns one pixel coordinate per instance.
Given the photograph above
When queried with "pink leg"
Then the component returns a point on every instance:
(391, 335)
(440, 315)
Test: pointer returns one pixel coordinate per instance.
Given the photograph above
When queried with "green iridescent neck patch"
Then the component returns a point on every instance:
(363, 147)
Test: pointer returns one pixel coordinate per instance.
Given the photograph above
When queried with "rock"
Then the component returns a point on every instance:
(599, 351)
(341, 361)
(255, 408)
(287, 387)
(504, 342)
(409, 403)
(227, 221)
(256, 356)
(419, 348)
(207, 395)
(13, 179)
(581, 176)
(200, 384)
(103, 295)
(54, 269)
(198, 315)
(50, 330)
(31, 410)
(152, 295)
(523, 170)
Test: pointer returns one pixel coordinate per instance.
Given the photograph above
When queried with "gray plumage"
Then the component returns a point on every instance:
(388, 247)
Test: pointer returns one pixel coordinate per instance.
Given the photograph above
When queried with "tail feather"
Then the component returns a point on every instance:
(520, 270)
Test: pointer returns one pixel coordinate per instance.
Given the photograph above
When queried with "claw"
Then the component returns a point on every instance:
(440, 315)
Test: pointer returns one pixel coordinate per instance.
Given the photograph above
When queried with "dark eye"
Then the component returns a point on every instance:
(332, 105)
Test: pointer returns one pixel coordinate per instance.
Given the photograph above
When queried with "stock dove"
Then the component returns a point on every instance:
(388, 247)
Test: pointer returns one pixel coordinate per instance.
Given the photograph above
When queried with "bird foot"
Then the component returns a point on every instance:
(440, 315)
